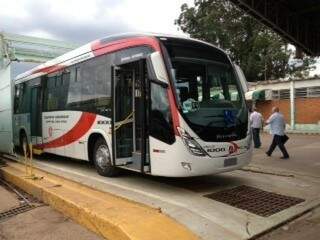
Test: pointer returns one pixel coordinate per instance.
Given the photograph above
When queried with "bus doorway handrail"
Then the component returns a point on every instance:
(128, 119)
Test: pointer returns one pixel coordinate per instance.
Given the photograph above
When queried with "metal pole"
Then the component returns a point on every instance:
(292, 105)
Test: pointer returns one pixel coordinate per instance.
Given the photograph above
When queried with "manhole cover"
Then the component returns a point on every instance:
(15, 211)
(255, 200)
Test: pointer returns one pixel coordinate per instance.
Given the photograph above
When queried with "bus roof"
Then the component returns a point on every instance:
(96, 48)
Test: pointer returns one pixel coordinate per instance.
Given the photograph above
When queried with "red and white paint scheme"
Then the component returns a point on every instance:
(158, 104)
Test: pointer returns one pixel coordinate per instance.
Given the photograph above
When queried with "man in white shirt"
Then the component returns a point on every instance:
(277, 127)
(256, 122)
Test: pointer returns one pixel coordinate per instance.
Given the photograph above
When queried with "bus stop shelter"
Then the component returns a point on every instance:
(295, 20)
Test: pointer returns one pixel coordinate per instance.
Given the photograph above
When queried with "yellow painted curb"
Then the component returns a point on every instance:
(108, 215)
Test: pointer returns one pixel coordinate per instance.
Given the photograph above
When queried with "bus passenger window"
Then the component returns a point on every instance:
(22, 98)
(89, 88)
(77, 74)
(18, 98)
(56, 91)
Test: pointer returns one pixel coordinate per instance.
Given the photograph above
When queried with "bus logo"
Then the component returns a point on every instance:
(233, 148)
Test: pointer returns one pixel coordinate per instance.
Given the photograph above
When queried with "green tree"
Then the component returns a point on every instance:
(260, 52)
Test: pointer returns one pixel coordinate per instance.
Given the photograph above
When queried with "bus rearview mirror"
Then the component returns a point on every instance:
(156, 68)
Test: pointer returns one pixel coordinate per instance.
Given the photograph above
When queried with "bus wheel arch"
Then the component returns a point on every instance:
(91, 142)
(99, 154)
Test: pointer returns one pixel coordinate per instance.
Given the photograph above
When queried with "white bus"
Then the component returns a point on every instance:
(156, 104)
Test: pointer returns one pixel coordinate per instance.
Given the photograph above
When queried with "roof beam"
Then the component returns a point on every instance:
(308, 10)
(275, 14)
(14, 47)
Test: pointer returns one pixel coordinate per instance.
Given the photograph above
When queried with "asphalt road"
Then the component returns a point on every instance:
(304, 151)
(183, 198)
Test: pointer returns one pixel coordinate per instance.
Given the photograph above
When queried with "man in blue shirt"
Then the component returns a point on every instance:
(277, 127)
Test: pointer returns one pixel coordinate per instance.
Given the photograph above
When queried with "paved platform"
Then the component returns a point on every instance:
(183, 199)
(41, 222)
(7, 200)
(105, 214)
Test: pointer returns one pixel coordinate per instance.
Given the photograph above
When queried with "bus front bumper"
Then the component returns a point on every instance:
(185, 164)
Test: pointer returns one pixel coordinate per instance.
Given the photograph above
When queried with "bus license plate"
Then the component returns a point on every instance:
(230, 162)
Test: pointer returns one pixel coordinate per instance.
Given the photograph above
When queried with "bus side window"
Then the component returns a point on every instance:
(17, 98)
(63, 89)
(22, 98)
(51, 98)
(73, 96)
(56, 91)
(89, 88)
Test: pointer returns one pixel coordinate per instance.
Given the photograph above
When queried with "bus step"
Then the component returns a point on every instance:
(136, 160)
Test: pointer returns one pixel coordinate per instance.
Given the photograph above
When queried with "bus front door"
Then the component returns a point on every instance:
(129, 116)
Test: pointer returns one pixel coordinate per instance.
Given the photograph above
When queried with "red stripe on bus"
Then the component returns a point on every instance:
(49, 69)
(99, 48)
(80, 128)
(174, 111)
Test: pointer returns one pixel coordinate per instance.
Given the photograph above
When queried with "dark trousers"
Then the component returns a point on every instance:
(277, 141)
(256, 137)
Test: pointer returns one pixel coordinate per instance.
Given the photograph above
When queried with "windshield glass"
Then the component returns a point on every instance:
(208, 91)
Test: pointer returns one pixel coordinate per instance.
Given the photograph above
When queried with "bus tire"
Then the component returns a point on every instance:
(102, 159)
(24, 144)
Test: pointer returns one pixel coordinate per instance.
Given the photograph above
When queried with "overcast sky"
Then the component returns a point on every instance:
(83, 21)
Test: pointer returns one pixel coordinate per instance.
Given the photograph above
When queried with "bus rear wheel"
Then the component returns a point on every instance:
(102, 159)
(24, 145)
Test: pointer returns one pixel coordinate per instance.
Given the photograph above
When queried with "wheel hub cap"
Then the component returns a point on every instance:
(103, 157)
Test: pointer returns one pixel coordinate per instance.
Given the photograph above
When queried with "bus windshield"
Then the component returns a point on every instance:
(208, 91)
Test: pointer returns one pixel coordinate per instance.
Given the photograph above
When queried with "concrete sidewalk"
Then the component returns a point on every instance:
(38, 223)
(306, 227)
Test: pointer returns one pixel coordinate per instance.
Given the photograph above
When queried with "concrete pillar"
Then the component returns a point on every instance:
(292, 105)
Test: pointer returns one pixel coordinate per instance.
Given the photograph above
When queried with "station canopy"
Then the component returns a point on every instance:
(295, 20)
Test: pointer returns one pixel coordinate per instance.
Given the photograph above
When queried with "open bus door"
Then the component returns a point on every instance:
(129, 118)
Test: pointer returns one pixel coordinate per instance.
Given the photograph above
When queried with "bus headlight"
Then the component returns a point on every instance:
(191, 144)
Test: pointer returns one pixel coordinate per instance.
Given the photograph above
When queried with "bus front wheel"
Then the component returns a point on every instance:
(102, 159)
